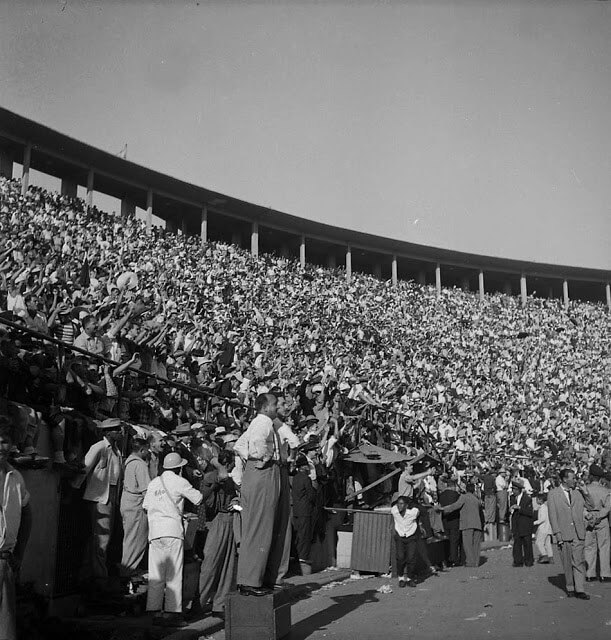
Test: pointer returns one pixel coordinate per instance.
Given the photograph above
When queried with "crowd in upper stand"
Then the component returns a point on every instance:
(490, 378)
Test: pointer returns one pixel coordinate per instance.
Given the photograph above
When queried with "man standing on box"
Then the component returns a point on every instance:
(521, 508)
(258, 447)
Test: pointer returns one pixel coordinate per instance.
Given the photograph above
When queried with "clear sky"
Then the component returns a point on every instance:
(481, 126)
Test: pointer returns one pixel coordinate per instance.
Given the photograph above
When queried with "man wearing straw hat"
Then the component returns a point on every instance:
(164, 503)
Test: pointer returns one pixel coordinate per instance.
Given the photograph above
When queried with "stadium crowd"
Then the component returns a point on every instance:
(183, 338)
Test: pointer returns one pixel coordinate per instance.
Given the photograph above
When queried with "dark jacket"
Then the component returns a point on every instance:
(450, 520)
(304, 495)
(522, 519)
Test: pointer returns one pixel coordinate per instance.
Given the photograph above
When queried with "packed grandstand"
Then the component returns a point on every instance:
(364, 359)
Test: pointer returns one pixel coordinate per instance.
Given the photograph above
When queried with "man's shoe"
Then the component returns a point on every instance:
(517, 564)
(605, 579)
(401, 583)
(581, 595)
(588, 579)
(245, 590)
(411, 583)
(528, 564)
(570, 594)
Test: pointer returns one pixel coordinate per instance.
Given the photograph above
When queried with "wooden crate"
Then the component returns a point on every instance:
(258, 618)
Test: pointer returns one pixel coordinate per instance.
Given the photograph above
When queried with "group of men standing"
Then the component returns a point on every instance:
(152, 511)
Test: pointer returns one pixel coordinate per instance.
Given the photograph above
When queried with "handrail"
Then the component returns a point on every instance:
(165, 382)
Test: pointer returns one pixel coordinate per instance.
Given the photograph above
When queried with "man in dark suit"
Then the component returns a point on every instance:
(451, 523)
(471, 523)
(521, 509)
(304, 507)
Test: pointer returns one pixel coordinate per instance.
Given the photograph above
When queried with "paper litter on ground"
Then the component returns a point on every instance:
(385, 588)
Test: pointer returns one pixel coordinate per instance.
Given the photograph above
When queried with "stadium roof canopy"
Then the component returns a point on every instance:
(180, 204)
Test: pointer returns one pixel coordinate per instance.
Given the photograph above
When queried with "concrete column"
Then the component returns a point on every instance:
(6, 164)
(331, 261)
(254, 239)
(68, 188)
(523, 290)
(377, 270)
(348, 264)
(90, 177)
(438, 279)
(302, 252)
(608, 292)
(203, 227)
(422, 277)
(25, 172)
(482, 290)
(565, 293)
(394, 271)
(128, 209)
(236, 238)
(149, 211)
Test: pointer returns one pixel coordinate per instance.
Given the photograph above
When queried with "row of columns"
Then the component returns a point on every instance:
(69, 188)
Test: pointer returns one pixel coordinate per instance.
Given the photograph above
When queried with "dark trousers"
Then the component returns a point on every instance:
(523, 550)
(455, 545)
(303, 530)
(407, 549)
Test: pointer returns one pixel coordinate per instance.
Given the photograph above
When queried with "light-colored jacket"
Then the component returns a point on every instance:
(470, 511)
(544, 528)
(567, 519)
(98, 464)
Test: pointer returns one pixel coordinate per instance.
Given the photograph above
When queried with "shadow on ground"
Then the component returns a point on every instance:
(322, 619)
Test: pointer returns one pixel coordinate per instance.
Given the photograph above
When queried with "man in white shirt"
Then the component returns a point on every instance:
(502, 495)
(15, 525)
(278, 563)
(164, 504)
(405, 515)
(260, 451)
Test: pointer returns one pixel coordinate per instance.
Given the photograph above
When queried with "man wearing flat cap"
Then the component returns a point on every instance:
(103, 470)
(597, 527)
(521, 509)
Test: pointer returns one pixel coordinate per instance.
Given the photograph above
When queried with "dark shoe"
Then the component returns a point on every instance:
(605, 579)
(543, 560)
(411, 583)
(253, 591)
(401, 583)
(570, 594)
(515, 564)
(588, 579)
(528, 564)
(581, 595)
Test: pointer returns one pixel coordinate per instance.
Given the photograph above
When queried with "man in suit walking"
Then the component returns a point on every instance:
(471, 523)
(566, 506)
(521, 508)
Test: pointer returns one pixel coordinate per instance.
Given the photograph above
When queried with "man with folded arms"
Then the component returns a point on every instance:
(259, 449)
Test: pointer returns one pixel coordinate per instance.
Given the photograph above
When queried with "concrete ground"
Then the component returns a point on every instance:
(492, 601)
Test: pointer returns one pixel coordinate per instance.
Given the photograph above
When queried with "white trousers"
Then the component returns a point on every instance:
(166, 559)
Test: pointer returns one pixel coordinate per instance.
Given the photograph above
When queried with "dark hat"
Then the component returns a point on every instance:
(518, 483)
(183, 429)
(300, 461)
(597, 471)
(308, 420)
